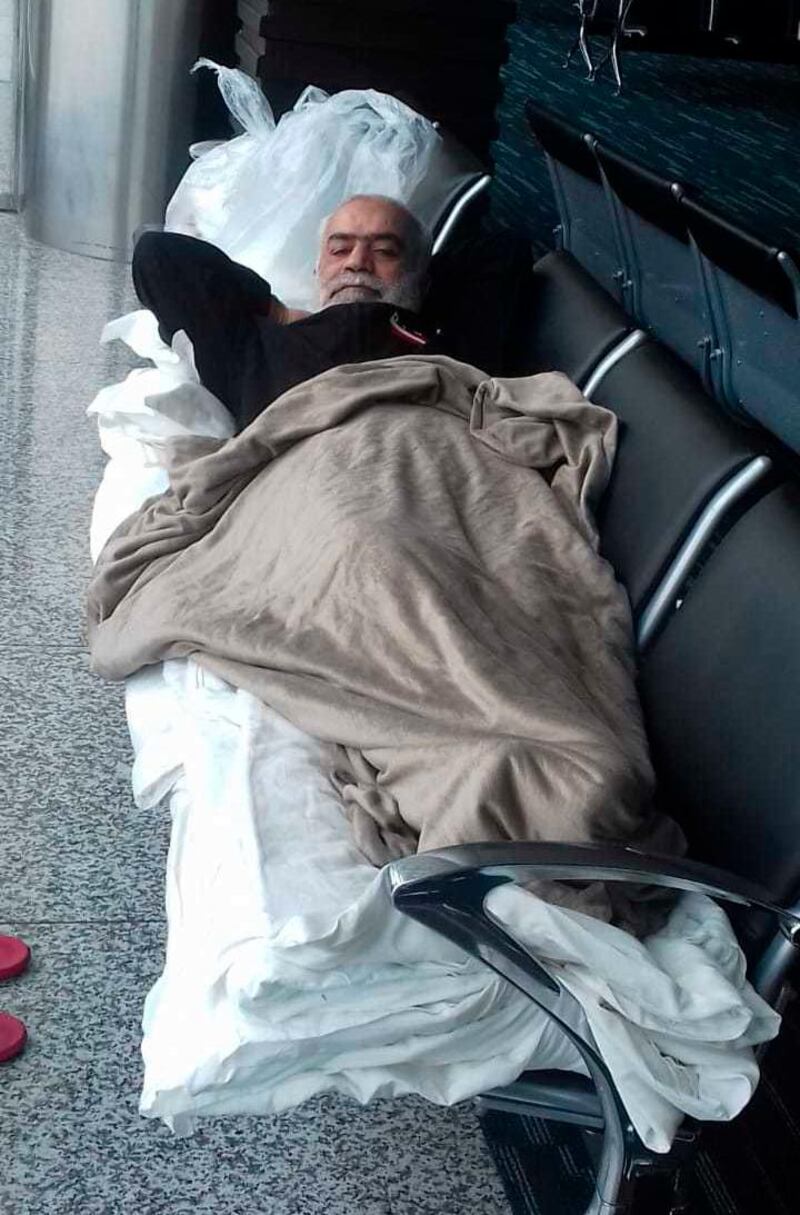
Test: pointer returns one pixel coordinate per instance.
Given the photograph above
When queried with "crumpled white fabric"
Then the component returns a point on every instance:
(137, 417)
(673, 1016)
(289, 972)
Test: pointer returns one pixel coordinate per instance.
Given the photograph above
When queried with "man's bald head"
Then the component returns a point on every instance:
(373, 249)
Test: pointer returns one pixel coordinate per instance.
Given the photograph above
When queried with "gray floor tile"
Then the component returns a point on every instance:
(74, 845)
(71, 1138)
(53, 306)
(45, 575)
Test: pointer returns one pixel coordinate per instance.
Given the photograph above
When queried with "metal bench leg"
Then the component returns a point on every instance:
(619, 30)
(581, 42)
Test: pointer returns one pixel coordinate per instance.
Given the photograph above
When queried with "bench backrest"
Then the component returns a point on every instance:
(665, 288)
(569, 323)
(676, 451)
(454, 181)
(586, 224)
(754, 297)
(721, 694)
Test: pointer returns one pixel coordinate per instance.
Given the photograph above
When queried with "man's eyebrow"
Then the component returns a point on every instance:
(372, 236)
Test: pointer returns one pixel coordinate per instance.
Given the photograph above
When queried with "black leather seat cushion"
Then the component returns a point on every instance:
(676, 449)
(568, 323)
(721, 694)
(479, 285)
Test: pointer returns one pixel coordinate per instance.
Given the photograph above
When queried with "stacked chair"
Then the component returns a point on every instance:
(701, 523)
(443, 59)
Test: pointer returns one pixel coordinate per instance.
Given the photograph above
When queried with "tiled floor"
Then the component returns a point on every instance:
(81, 870)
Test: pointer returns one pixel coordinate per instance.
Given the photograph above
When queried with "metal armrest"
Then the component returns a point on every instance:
(418, 876)
(445, 890)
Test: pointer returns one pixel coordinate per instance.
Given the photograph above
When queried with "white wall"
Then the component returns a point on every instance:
(6, 29)
(6, 100)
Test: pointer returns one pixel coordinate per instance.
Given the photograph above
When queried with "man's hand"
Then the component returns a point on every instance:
(285, 316)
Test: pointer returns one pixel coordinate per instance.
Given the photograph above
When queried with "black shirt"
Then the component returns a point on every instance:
(242, 356)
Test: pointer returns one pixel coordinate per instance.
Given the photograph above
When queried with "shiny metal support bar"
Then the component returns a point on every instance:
(611, 359)
(453, 907)
(474, 190)
(498, 862)
(665, 595)
(446, 889)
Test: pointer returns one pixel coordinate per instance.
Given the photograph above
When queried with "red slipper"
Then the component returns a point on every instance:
(14, 957)
(13, 1035)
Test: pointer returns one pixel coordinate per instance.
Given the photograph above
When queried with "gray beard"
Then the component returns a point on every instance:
(406, 292)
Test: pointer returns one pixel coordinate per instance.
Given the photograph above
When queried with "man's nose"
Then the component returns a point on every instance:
(360, 257)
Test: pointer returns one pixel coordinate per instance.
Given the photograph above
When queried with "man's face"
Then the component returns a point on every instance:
(363, 257)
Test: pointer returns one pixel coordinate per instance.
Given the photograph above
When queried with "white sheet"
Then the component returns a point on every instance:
(288, 971)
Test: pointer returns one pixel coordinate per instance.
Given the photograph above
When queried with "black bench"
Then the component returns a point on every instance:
(700, 522)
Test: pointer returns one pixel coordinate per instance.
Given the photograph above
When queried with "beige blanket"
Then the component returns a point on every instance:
(400, 558)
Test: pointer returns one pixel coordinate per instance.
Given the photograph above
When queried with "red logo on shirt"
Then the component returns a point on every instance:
(409, 336)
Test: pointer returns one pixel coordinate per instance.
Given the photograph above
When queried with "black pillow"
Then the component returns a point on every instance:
(479, 287)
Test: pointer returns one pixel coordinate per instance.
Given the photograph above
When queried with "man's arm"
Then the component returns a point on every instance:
(187, 282)
(191, 285)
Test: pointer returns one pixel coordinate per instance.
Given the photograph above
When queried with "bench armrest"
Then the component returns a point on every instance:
(446, 869)
(445, 890)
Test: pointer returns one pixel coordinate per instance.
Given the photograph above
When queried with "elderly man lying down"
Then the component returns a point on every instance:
(372, 287)
(249, 347)
(399, 557)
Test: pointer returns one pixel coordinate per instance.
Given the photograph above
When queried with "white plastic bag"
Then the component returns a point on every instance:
(262, 196)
